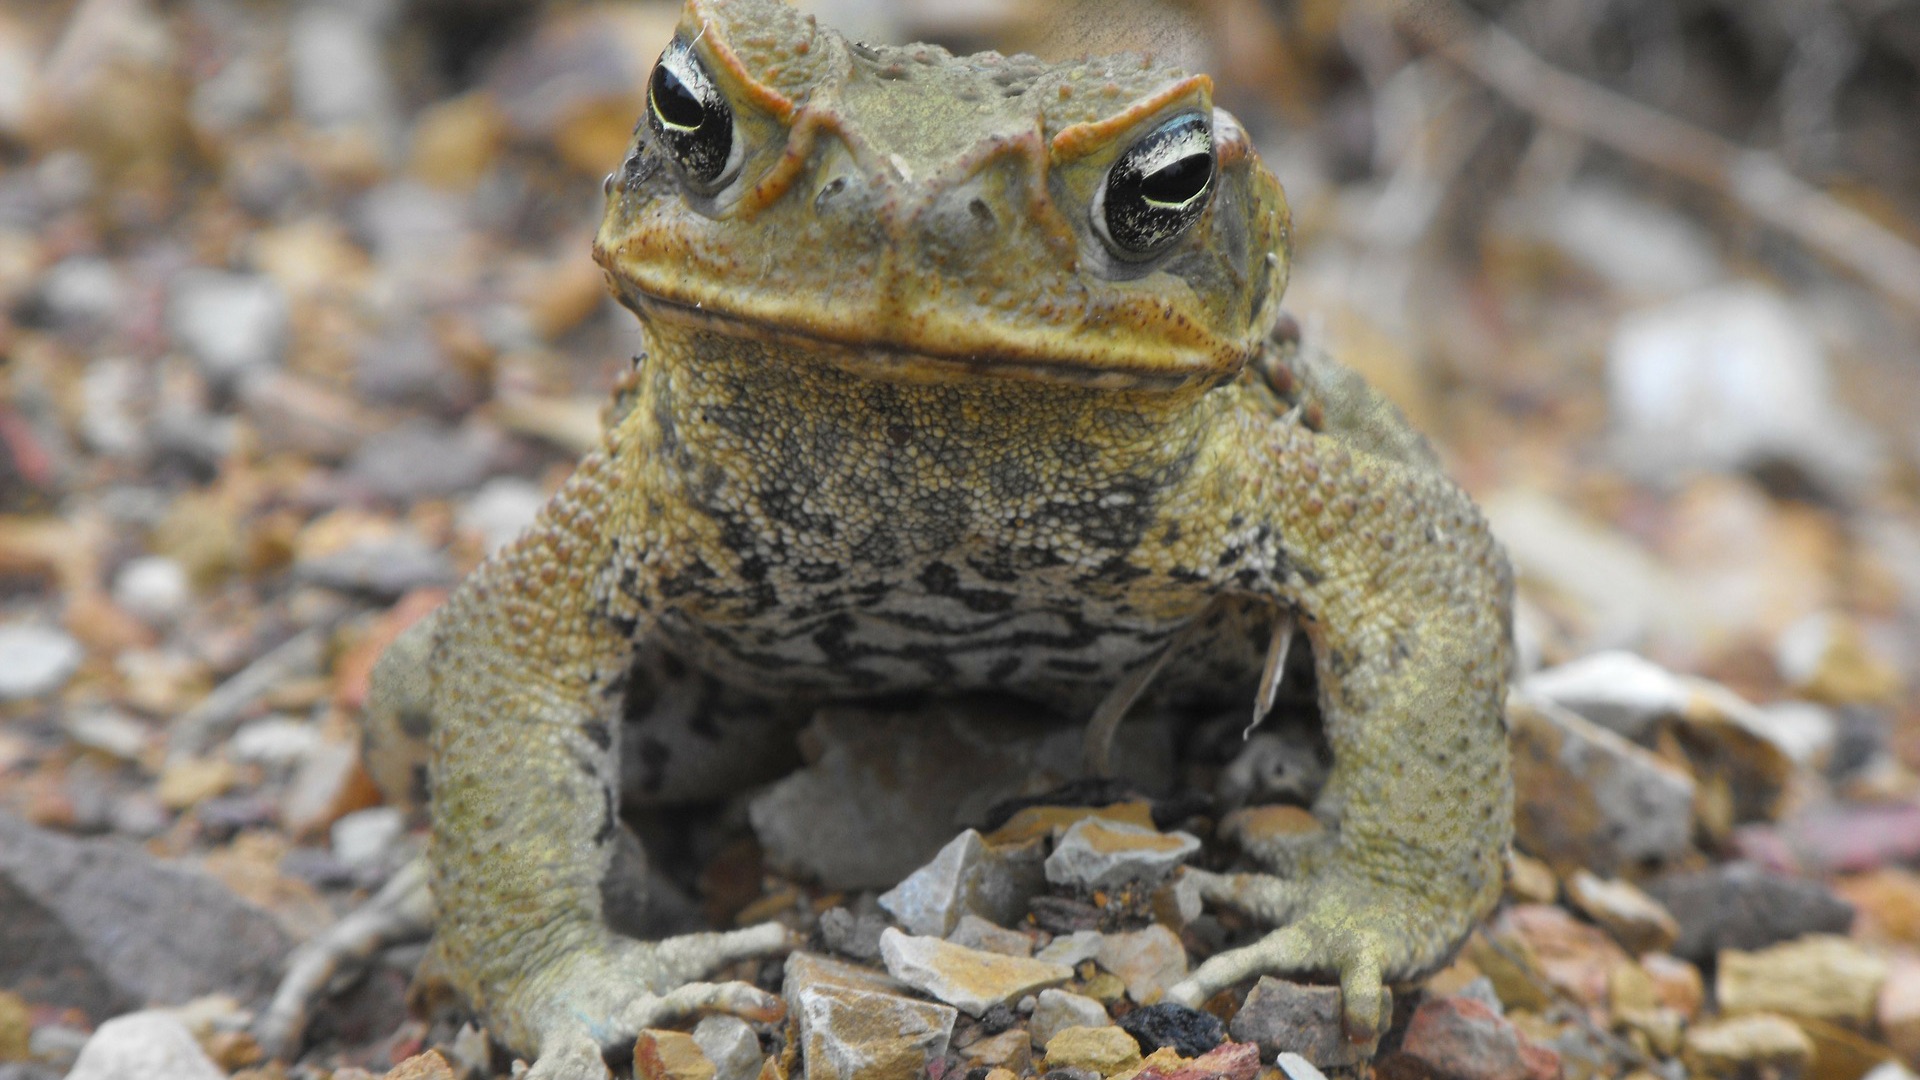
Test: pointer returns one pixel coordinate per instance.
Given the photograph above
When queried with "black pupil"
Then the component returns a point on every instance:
(1180, 181)
(674, 100)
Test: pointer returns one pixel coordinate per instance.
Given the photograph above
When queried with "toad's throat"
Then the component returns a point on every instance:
(932, 359)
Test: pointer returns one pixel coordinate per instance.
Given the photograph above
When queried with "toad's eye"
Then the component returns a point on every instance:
(690, 117)
(1158, 188)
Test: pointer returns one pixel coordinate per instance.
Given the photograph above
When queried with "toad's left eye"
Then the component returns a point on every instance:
(691, 117)
(1158, 188)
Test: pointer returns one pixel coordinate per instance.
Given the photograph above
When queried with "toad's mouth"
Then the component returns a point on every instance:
(925, 354)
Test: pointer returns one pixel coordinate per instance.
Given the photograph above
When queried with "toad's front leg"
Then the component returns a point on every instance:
(524, 789)
(1405, 598)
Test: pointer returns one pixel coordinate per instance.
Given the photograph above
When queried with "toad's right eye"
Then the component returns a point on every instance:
(691, 118)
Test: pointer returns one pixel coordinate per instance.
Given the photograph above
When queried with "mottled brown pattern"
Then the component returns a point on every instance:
(906, 424)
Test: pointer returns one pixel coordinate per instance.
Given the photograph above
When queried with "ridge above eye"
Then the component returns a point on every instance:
(691, 118)
(1157, 188)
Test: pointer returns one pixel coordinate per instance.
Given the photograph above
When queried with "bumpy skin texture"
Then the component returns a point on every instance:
(906, 423)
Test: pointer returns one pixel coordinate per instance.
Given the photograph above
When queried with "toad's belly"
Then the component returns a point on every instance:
(941, 630)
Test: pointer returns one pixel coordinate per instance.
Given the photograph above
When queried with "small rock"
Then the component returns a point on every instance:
(1104, 1050)
(1639, 246)
(1233, 1061)
(1825, 657)
(1071, 949)
(1758, 1045)
(330, 783)
(1056, 1010)
(337, 65)
(502, 509)
(1891, 1070)
(1097, 854)
(1294, 1067)
(188, 782)
(1898, 1009)
(153, 589)
(1189, 1032)
(968, 979)
(1821, 976)
(276, 742)
(1011, 1050)
(35, 660)
(420, 459)
(151, 1045)
(855, 1024)
(1531, 881)
(1635, 919)
(1289, 1017)
(232, 324)
(974, 932)
(730, 1044)
(1741, 906)
(427, 1066)
(107, 731)
(1677, 985)
(1730, 378)
(1458, 1037)
(363, 838)
(1837, 838)
(670, 1055)
(967, 876)
(387, 568)
(854, 936)
(1149, 961)
(1621, 691)
(1585, 797)
(82, 292)
(1576, 957)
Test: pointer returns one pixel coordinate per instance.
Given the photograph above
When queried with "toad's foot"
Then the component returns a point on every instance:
(595, 999)
(1330, 926)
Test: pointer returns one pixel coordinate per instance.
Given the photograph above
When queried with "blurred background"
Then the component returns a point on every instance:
(298, 319)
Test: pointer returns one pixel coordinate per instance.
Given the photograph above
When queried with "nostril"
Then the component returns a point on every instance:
(828, 192)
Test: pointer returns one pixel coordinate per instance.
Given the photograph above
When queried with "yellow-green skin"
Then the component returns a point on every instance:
(905, 423)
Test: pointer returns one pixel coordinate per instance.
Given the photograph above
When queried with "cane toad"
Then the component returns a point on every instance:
(962, 373)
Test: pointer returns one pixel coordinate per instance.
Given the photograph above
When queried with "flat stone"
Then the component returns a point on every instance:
(1232, 1061)
(730, 1044)
(1096, 854)
(1677, 985)
(231, 324)
(856, 1024)
(35, 660)
(1585, 797)
(427, 1066)
(670, 1055)
(971, 980)
(420, 459)
(1741, 906)
(1294, 1067)
(1072, 949)
(1458, 1037)
(1761, 1044)
(1011, 1049)
(1636, 920)
(967, 877)
(1621, 691)
(1056, 1010)
(1289, 1017)
(151, 1045)
(103, 926)
(1104, 1050)
(974, 932)
(1148, 961)
(1576, 957)
(1837, 839)
(1820, 976)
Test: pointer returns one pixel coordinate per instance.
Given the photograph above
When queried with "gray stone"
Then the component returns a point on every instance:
(967, 876)
(885, 791)
(364, 838)
(108, 731)
(102, 926)
(1056, 1010)
(974, 932)
(153, 589)
(1584, 796)
(970, 980)
(83, 292)
(1291, 1017)
(420, 459)
(502, 509)
(851, 935)
(1071, 949)
(1729, 378)
(277, 742)
(729, 1042)
(35, 660)
(231, 324)
(151, 1045)
(854, 1023)
(1741, 906)
(388, 568)
(1097, 854)
(1622, 692)
(336, 57)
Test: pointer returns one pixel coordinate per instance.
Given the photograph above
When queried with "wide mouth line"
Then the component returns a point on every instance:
(879, 354)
